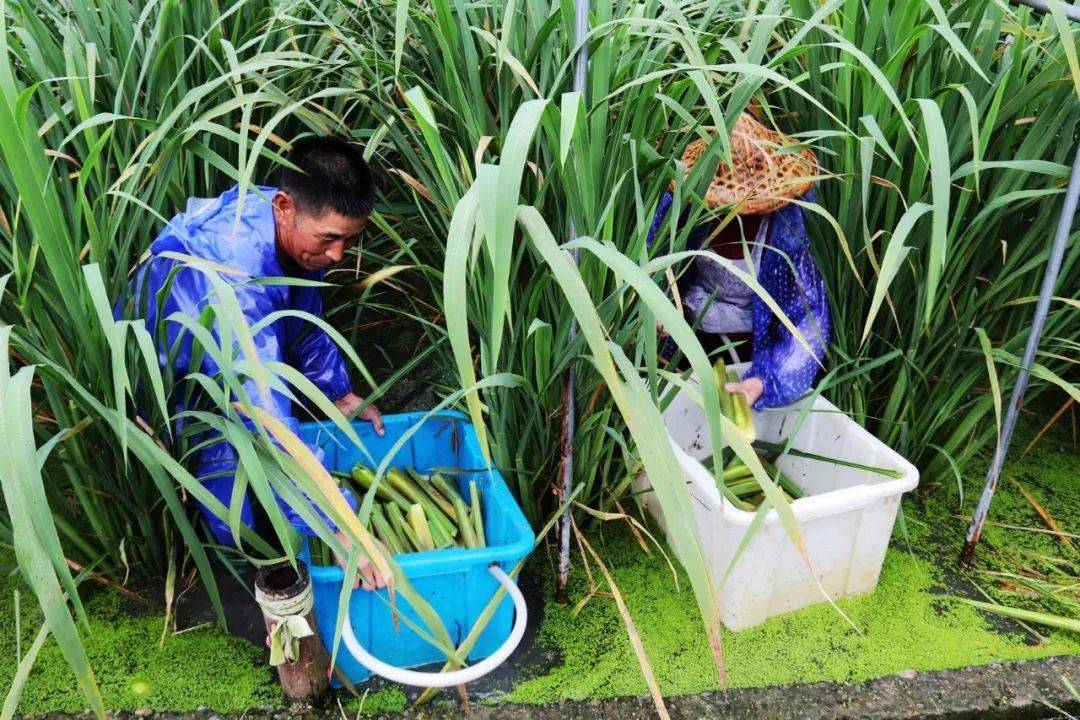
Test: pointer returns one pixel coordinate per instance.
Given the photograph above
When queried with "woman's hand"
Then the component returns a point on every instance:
(349, 402)
(367, 576)
(751, 387)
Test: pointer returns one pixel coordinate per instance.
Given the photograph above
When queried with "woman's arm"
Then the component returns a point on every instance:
(786, 368)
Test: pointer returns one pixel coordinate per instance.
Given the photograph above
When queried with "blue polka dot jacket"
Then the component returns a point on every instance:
(788, 274)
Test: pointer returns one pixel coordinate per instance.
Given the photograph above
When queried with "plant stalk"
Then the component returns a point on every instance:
(1042, 308)
(581, 66)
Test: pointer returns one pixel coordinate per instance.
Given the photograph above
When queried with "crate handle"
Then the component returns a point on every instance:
(455, 677)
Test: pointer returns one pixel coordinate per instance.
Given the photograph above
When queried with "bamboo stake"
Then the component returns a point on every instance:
(581, 66)
(284, 595)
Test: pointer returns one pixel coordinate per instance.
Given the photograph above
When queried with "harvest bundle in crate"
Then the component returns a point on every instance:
(438, 489)
(742, 488)
(414, 512)
(737, 478)
(844, 486)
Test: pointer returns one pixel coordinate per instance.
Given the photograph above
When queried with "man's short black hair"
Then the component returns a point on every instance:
(332, 175)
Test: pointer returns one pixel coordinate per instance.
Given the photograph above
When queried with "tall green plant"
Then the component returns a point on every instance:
(37, 545)
(866, 85)
(961, 119)
(95, 148)
(97, 106)
(508, 303)
(942, 134)
(436, 136)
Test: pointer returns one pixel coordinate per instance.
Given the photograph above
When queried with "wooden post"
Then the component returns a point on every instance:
(284, 595)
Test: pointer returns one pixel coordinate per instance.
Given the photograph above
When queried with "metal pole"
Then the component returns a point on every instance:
(1053, 266)
(581, 67)
(1071, 11)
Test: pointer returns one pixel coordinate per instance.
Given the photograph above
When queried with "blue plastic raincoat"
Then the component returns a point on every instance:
(210, 229)
(788, 274)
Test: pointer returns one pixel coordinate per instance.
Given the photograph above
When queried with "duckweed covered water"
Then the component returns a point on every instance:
(905, 625)
(200, 668)
(908, 624)
(203, 667)
(1049, 473)
(378, 702)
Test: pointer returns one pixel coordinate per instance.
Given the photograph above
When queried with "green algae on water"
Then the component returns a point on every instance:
(199, 668)
(1048, 473)
(389, 699)
(906, 625)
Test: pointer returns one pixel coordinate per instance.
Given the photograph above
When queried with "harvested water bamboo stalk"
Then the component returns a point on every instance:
(468, 537)
(782, 480)
(740, 409)
(446, 487)
(441, 502)
(366, 478)
(736, 472)
(399, 482)
(727, 408)
(418, 522)
(386, 533)
(773, 448)
(414, 512)
(477, 516)
(402, 527)
(745, 487)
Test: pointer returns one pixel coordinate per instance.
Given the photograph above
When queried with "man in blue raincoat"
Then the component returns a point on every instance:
(296, 230)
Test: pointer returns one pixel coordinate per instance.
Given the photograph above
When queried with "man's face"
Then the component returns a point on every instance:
(314, 242)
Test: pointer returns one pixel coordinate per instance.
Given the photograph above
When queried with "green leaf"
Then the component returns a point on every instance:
(895, 253)
(940, 188)
(1032, 616)
(991, 373)
(37, 546)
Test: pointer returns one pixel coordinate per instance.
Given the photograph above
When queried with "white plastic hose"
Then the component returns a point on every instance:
(455, 677)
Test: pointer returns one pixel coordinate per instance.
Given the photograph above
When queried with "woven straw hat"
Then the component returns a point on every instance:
(760, 179)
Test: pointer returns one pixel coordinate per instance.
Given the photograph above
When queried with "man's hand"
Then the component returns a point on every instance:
(751, 387)
(367, 576)
(348, 404)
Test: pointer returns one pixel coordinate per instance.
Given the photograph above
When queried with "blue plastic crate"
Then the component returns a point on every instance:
(454, 581)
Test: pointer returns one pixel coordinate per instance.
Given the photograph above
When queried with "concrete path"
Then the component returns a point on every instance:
(1031, 690)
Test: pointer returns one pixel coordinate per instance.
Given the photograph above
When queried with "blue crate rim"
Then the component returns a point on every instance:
(435, 562)
(420, 416)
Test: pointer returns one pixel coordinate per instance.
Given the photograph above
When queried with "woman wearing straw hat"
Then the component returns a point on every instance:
(767, 238)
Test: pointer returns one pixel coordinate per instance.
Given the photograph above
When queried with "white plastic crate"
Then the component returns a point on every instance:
(847, 515)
